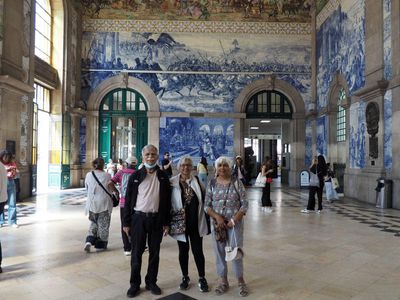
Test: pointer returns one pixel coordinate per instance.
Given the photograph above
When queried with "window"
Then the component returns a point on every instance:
(42, 98)
(43, 24)
(341, 117)
(270, 104)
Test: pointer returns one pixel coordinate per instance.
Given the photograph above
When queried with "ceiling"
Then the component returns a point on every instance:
(274, 127)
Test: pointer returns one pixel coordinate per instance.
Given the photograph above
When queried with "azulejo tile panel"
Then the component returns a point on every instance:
(271, 28)
(328, 9)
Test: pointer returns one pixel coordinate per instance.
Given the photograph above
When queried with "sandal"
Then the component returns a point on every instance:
(221, 288)
(243, 290)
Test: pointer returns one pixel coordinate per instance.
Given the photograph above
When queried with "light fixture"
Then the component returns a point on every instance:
(265, 121)
(254, 127)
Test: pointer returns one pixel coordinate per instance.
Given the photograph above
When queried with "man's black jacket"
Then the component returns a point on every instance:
(132, 192)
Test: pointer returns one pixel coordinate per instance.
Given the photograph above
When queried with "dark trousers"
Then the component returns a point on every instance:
(311, 197)
(142, 228)
(126, 240)
(197, 249)
(2, 204)
(266, 196)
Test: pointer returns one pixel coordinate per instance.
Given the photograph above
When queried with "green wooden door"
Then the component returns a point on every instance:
(105, 137)
(122, 109)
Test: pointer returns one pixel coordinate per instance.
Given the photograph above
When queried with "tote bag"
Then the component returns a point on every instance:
(314, 180)
(260, 180)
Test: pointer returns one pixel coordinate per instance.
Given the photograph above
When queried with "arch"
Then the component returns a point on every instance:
(337, 83)
(122, 81)
(271, 83)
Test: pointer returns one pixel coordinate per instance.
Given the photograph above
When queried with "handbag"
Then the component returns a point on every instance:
(260, 180)
(335, 183)
(220, 233)
(114, 198)
(314, 180)
(178, 224)
(233, 253)
(269, 180)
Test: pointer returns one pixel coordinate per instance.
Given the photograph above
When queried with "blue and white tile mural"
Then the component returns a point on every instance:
(357, 151)
(82, 140)
(387, 38)
(308, 142)
(196, 137)
(387, 136)
(341, 49)
(322, 136)
(186, 69)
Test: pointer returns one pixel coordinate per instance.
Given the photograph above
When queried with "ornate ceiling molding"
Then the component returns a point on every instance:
(270, 28)
(330, 7)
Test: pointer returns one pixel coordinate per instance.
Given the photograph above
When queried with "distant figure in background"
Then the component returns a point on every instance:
(121, 165)
(267, 170)
(98, 205)
(238, 170)
(121, 180)
(11, 169)
(166, 164)
(17, 182)
(110, 168)
(331, 193)
(202, 171)
(318, 167)
(3, 198)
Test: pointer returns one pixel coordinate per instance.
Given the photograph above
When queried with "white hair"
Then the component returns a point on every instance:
(223, 160)
(184, 159)
(149, 146)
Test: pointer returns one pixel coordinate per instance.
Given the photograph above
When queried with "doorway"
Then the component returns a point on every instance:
(123, 125)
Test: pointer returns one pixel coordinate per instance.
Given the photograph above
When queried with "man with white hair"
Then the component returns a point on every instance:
(146, 216)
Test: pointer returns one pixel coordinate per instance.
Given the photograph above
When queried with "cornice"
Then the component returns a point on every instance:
(269, 28)
(15, 85)
(372, 91)
(330, 7)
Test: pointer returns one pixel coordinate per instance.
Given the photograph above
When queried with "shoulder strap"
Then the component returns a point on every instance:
(95, 177)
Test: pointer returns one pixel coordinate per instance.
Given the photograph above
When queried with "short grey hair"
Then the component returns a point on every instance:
(149, 146)
(223, 160)
(183, 160)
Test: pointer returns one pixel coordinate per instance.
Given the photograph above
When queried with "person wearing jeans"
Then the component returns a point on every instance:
(11, 169)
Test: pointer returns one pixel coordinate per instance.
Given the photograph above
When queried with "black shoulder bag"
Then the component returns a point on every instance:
(114, 198)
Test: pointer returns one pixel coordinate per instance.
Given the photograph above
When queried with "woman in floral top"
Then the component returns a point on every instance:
(226, 203)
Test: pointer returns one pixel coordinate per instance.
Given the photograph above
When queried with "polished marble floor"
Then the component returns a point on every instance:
(349, 251)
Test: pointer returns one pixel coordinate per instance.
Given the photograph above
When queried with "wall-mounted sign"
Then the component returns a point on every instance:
(304, 179)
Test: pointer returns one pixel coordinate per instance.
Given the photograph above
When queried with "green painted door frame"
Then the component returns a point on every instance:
(122, 103)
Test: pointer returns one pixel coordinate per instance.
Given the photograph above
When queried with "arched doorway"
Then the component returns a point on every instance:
(122, 124)
(287, 115)
(266, 114)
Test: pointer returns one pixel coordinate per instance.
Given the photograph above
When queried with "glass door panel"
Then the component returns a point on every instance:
(125, 137)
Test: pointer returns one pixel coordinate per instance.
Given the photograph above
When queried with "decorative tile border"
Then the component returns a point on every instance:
(327, 11)
(270, 28)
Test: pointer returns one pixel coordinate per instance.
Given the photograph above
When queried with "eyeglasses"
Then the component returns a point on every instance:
(186, 166)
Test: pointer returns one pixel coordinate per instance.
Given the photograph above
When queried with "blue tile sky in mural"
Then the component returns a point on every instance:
(322, 133)
(196, 137)
(387, 143)
(357, 151)
(341, 49)
(308, 143)
(185, 70)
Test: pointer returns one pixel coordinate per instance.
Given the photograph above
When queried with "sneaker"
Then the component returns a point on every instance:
(127, 253)
(203, 285)
(132, 292)
(318, 211)
(262, 208)
(14, 225)
(185, 283)
(268, 210)
(87, 247)
(154, 288)
(305, 211)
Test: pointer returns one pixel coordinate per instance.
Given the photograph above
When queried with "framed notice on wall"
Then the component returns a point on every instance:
(10, 146)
